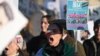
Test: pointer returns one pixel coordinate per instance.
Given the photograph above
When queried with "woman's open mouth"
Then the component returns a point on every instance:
(51, 40)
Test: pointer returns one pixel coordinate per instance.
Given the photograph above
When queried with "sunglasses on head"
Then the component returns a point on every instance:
(53, 31)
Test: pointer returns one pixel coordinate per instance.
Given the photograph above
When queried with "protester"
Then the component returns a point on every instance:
(15, 48)
(55, 46)
(37, 42)
(92, 46)
(84, 35)
(68, 37)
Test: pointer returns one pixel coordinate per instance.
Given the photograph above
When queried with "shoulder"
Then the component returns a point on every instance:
(69, 50)
(88, 41)
(70, 40)
(32, 44)
(34, 39)
(68, 46)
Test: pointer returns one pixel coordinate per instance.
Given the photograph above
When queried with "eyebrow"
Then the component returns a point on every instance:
(7, 10)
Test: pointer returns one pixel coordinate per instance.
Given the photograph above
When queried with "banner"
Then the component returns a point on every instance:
(77, 14)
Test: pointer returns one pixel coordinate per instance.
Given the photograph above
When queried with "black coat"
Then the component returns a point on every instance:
(92, 48)
(36, 43)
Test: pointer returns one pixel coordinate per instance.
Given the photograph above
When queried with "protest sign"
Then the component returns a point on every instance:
(77, 14)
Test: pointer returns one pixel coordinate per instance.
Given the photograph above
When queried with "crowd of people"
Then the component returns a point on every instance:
(54, 39)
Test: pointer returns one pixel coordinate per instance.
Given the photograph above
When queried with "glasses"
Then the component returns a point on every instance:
(7, 10)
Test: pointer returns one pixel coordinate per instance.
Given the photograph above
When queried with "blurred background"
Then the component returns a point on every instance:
(34, 9)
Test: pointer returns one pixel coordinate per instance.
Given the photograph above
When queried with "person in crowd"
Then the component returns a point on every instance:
(14, 48)
(55, 46)
(6, 16)
(84, 35)
(92, 45)
(68, 37)
(37, 42)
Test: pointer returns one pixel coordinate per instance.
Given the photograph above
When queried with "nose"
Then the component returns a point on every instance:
(6, 49)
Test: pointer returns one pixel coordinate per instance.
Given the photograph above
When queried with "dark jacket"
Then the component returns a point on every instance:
(63, 49)
(36, 43)
(92, 47)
